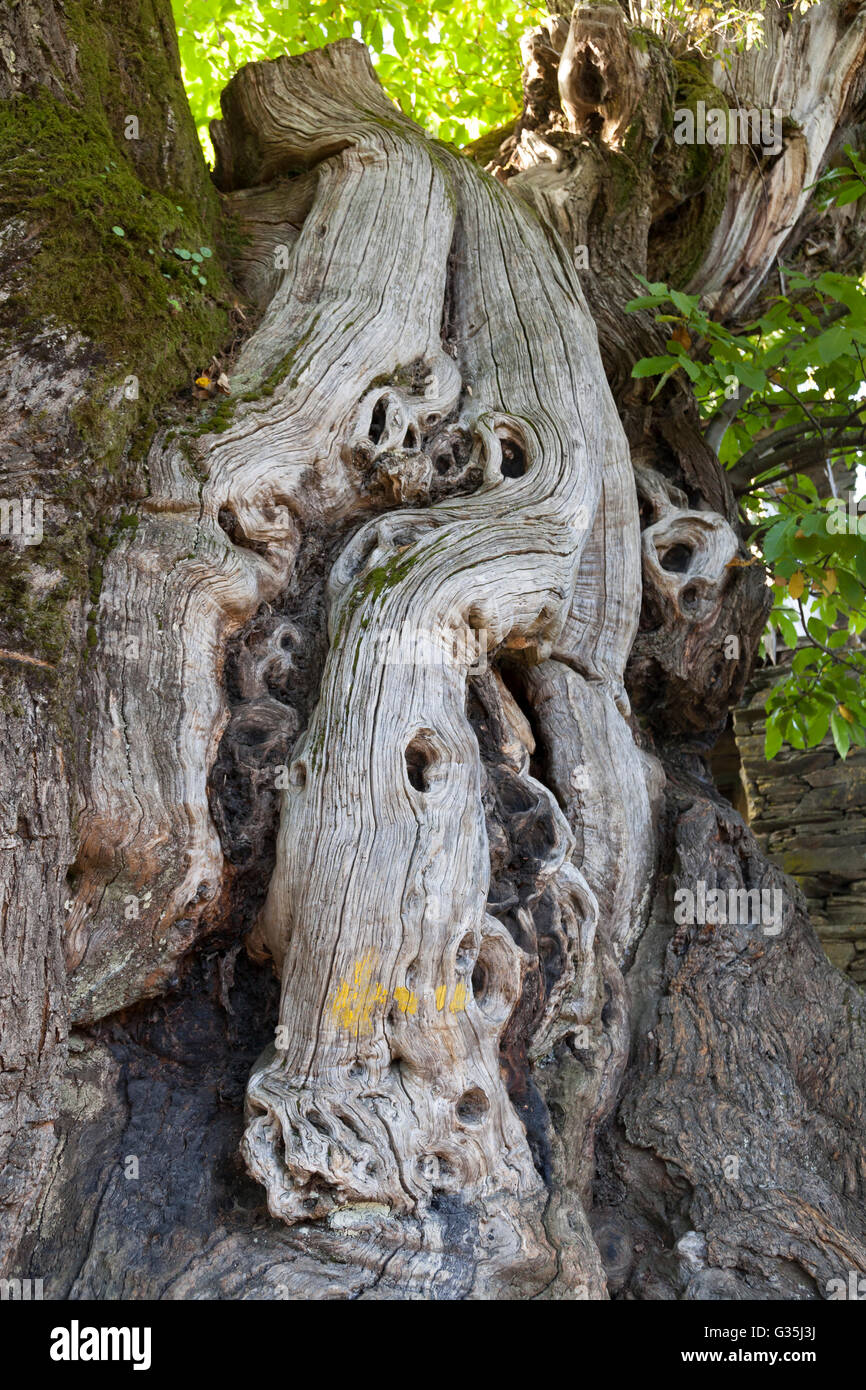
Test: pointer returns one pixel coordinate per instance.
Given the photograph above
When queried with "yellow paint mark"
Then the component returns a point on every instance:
(341, 998)
(407, 1002)
(459, 1000)
(353, 1003)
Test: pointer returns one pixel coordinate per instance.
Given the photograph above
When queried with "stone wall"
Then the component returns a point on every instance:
(808, 811)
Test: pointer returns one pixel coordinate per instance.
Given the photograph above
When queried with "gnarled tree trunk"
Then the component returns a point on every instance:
(404, 661)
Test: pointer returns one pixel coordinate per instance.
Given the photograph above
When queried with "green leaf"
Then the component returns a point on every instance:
(855, 159)
(684, 302)
(818, 630)
(850, 589)
(652, 366)
(691, 369)
(118, 231)
(806, 656)
(644, 301)
(772, 739)
(774, 541)
(841, 287)
(848, 193)
(787, 629)
(841, 733)
(833, 343)
(750, 376)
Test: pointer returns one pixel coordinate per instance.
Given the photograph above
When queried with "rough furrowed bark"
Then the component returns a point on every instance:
(63, 110)
(36, 846)
(742, 1112)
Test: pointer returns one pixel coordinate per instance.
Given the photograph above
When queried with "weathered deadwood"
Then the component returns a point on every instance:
(601, 74)
(703, 601)
(385, 1085)
(810, 75)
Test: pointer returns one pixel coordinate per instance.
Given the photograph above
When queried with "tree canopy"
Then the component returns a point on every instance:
(451, 64)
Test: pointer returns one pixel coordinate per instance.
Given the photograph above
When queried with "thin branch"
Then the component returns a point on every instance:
(834, 656)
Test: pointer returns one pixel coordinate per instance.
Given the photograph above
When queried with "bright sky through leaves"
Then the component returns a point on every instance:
(452, 64)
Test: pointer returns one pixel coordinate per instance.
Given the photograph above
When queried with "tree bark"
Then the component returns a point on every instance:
(67, 82)
(404, 661)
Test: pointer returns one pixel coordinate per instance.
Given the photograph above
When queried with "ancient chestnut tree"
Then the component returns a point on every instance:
(394, 663)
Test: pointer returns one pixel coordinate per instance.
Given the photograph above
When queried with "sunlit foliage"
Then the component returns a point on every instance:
(453, 65)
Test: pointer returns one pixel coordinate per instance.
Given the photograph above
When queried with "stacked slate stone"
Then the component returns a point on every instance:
(808, 811)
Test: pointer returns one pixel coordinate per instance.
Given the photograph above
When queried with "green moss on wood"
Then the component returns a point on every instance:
(698, 177)
(486, 147)
(97, 266)
(128, 294)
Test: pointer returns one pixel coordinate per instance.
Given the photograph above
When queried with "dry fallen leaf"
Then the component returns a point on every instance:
(797, 584)
(681, 335)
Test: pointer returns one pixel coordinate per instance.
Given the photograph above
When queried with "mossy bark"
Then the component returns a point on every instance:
(102, 177)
